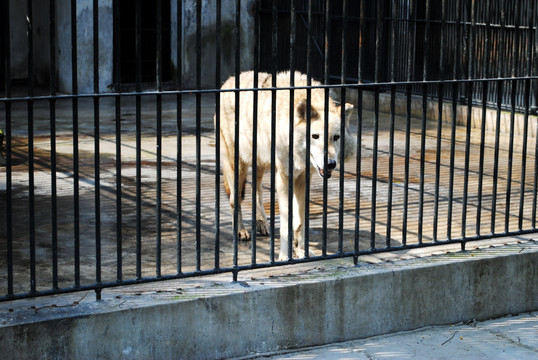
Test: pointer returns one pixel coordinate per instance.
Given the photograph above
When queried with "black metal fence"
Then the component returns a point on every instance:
(408, 41)
(122, 185)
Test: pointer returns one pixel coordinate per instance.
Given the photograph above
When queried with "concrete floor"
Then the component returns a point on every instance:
(419, 217)
(503, 338)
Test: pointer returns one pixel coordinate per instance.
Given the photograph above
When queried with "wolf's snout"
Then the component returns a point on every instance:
(331, 164)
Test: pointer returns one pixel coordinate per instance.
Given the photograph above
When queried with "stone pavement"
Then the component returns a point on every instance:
(511, 337)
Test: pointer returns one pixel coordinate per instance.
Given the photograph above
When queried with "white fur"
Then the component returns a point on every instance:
(282, 114)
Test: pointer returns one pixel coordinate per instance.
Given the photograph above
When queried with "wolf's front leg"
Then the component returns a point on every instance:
(299, 188)
(282, 191)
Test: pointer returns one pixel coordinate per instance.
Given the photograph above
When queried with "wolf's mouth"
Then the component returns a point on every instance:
(321, 172)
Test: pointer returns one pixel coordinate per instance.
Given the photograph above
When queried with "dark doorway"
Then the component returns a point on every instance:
(148, 41)
(5, 31)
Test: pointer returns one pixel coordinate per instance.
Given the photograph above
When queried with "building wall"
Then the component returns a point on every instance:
(18, 40)
(228, 36)
(85, 66)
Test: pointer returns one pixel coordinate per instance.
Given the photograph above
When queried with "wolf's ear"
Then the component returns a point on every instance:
(350, 142)
(301, 111)
(349, 110)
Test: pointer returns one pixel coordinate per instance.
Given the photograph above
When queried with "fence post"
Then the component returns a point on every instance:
(534, 97)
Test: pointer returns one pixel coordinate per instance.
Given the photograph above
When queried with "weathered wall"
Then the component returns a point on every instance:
(18, 17)
(41, 44)
(208, 40)
(85, 68)
(85, 45)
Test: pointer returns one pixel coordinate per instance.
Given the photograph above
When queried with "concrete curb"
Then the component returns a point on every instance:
(315, 304)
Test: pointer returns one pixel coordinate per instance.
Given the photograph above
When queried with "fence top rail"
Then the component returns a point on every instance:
(213, 91)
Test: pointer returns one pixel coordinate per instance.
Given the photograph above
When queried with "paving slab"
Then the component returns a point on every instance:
(511, 337)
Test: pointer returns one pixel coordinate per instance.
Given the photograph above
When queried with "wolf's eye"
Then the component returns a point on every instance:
(336, 137)
(315, 136)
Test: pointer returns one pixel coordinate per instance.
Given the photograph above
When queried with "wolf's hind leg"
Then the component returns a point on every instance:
(242, 232)
(229, 184)
(261, 217)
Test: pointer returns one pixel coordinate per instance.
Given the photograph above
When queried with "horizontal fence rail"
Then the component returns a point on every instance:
(113, 172)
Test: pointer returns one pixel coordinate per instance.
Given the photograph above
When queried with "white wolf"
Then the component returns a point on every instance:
(263, 156)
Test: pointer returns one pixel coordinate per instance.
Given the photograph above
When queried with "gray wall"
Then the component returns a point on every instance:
(208, 36)
(17, 38)
(41, 48)
(19, 41)
(84, 46)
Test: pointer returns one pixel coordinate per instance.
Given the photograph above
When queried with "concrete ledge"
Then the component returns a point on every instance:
(432, 112)
(270, 310)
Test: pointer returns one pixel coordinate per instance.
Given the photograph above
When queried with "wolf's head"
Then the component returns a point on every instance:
(326, 134)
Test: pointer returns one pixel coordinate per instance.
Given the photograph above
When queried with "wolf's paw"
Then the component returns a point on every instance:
(283, 257)
(300, 253)
(261, 226)
(243, 235)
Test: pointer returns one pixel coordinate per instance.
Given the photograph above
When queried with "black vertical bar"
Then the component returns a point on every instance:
(31, 161)
(97, 160)
(158, 185)
(500, 88)
(485, 87)
(440, 97)
(535, 184)
(179, 130)
(534, 64)
(218, 24)
(411, 30)
(254, 132)
(290, 130)
(76, 176)
(138, 126)
(423, 123)
(534, 49)
(199, 131)
(515, 64)
(9, 201)
(524, 156)
(453, 124)
(362, 19)
(394, 24)
(117, 77)
(52, 107)
(470, 74)
(343, 73)
(378, 41)
(308, 134)
(274, 52)
(326, 81)
(526, 118)
(236, 134)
